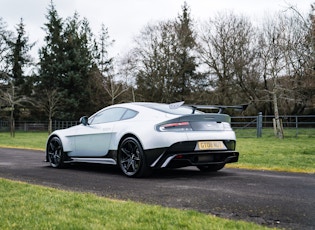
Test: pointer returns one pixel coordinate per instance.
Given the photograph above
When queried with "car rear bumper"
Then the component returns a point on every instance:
(183, 154)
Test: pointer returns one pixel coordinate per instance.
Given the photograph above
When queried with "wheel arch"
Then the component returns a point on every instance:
(66, 143)
(46, 147)
(144, 169)
(126, 136)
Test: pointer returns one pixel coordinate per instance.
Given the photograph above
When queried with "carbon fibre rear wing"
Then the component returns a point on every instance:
(220, 108)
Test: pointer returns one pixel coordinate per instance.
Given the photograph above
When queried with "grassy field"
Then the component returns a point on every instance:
(25, 140)
(269, 132)
(25, 206)
(291, 154)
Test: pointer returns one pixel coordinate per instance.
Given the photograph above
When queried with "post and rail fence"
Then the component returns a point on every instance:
(262, 125)
(244, 126)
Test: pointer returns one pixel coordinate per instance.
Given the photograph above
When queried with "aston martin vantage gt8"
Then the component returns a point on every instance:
(140, 137)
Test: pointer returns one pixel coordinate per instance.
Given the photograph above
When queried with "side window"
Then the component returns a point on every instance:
(129, 114)
(108, 115)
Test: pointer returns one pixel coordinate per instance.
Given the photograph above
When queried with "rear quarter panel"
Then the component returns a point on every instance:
(145, 132)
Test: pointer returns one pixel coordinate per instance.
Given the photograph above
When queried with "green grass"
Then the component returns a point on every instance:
(25, 140)
(290, 154)
(269, 132)
(25, 206)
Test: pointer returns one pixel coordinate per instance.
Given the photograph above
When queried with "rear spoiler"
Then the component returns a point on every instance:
(221, 108)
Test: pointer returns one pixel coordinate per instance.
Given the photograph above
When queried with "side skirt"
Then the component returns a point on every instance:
(107, 161)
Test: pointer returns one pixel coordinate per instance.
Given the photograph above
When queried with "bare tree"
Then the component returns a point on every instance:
(127, 67)
(11, 99)
(227, 47)
(114, 88)
(164, 62)
(154, 62)
(287, 65)
(300, 59)
(164, 68)
(272, 48)
(49, 103)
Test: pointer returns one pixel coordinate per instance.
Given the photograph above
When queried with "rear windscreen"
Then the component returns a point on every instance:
(182, 110)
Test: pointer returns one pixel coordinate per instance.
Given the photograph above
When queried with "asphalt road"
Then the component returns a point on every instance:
(274, 199)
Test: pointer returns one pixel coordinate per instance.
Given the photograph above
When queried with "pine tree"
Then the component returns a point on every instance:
(66, 64)
(185, 60)
(51, 55)
(18, 58)
(76, 67)
(16, 87)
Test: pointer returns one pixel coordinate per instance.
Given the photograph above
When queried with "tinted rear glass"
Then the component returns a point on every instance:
(182, 110)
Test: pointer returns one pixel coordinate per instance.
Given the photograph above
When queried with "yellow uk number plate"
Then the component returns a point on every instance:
(210, 145)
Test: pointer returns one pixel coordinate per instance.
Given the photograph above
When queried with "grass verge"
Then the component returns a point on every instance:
(24, 140)
(25, 206)
(289, 155)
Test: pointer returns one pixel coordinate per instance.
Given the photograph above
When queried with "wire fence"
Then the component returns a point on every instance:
(244, 126)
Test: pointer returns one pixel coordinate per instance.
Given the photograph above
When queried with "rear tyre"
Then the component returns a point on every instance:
(55, 154)
(131, 158)
(210, 168)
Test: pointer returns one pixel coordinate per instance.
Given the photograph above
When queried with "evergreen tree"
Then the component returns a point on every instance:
(76, 66)
(186, 77)
(15, 87)
(50, 64)
(4, 35)
(51, 55)
(17, 58)
(67, 64)
(104, 62)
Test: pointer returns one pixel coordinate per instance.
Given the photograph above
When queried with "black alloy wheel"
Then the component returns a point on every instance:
(131, 158)
(55, 153)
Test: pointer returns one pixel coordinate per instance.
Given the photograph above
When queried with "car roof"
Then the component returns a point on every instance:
(160, 107)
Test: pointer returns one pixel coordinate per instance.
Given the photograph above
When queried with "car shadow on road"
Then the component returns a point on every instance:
(90, 167)
(188, 172)
(177, 173)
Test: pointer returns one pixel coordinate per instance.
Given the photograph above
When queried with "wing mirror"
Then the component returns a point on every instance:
(84, 120)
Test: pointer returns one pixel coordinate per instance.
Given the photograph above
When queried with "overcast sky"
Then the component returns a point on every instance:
(125, 18)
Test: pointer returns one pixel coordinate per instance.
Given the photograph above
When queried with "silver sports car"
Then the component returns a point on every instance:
(140, 137)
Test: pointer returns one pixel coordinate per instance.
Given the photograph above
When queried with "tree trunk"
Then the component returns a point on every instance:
(278, 124)
(50, 126)
(12, 123)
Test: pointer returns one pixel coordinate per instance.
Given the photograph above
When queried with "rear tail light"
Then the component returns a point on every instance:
(175, 126)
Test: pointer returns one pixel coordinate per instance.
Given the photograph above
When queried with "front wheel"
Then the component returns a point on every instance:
(131, 158)
(55, 153)
(210, 168)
